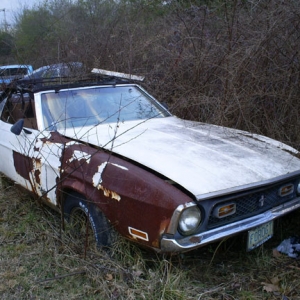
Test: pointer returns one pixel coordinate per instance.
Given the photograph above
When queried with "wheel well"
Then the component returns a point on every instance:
(68, 192)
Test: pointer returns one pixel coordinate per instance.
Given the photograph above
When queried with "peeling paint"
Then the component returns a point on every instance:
(78, 155)
(35, 176)
(97, 178)
(23, 165)
(71, 143)
(37, 170)
(109, 194)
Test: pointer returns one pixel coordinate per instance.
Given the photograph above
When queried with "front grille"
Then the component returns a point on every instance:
(250, 204)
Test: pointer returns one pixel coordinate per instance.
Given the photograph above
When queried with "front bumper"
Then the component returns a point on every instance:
(170, 244)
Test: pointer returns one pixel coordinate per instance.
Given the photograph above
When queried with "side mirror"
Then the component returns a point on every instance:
(17, 127)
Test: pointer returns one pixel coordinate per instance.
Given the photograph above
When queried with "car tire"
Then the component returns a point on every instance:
(80, 213)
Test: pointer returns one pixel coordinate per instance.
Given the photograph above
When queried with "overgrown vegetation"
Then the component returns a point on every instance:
(233, 63)
(39, 261)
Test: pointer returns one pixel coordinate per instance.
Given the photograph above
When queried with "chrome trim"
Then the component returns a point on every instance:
(170, 244)
(175, 217)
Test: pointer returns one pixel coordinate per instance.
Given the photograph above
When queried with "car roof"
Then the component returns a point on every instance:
(14, 66)
(60, 65)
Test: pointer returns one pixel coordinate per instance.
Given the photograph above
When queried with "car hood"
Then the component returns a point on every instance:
(200, 157)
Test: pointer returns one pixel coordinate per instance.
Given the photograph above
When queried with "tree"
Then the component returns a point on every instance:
(6, 43)
(33, 34)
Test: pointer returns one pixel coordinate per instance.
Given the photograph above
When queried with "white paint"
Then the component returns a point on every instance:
(97, 178)
(78, 155)
(117, 74)
(50, 156)
(203, 158)
(118, 166)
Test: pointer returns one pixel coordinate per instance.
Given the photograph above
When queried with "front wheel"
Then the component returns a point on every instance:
(87, 221)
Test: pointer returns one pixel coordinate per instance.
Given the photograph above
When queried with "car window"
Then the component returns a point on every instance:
(13, 71)
(19, 107)
(50, 73)
(92, 106)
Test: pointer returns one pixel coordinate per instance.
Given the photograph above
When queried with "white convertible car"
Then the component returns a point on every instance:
(107, 153)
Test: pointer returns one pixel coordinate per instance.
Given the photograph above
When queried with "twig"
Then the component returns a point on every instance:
(61, 276)
(294, 267)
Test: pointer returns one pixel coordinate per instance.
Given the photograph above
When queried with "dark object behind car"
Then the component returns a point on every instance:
(56, 71)
(9, 73)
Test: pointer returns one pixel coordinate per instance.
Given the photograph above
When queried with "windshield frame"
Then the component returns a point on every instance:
(59, 123)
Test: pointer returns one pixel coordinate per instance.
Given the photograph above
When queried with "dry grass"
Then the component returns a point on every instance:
(38, 261)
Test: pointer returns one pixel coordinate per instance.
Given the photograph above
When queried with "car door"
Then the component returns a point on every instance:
(26, 158)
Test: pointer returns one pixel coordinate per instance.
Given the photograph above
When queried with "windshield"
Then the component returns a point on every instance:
(93, 106)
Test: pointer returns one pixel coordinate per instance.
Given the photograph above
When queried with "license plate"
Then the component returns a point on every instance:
(259, 235)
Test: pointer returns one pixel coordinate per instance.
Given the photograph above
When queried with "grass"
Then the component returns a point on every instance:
(39, 261)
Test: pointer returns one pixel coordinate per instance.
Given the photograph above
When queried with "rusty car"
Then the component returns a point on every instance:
(108, 152)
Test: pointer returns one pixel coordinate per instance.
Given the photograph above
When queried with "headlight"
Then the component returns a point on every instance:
(189, 220)
(298, 189)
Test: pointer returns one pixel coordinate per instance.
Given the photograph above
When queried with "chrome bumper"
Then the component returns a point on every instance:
(169, 244)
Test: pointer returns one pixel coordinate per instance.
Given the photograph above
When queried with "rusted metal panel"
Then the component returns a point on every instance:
(128, 195)
(23, 165)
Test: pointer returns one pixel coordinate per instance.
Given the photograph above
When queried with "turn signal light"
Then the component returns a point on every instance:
(138, 234)
(286, 190)
(225, 210)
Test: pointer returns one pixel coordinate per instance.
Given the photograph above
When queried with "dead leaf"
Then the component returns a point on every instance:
(269, 287)
(12, 283)
(137, 273)
(276, 253)
(275, 280)
(2, 287)
(109, 277)
(235, 285)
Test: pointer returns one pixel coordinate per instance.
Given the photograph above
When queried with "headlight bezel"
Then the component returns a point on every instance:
(195, 214)
(298, 188)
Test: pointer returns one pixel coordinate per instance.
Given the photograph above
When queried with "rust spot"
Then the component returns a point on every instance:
(155, 244)
(108, 193)
(23, 165)
(37, 171)
(37, 174)
(55, 137)
(164, 225)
